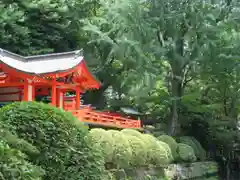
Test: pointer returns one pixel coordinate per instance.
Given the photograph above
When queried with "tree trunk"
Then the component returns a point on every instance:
(176, 85)
(174, 127)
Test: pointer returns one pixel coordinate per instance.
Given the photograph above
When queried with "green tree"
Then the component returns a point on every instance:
(35, 27)
(164, 38)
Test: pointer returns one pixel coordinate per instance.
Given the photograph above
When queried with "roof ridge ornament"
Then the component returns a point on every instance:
(78, 53)
(1, 52)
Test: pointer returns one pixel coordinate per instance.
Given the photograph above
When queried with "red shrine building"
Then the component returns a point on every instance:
(53, 75)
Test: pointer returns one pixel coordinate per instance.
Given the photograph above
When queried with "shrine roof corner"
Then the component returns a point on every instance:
(42, 64)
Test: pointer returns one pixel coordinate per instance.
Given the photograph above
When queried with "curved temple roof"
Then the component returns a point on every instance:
(42, 64)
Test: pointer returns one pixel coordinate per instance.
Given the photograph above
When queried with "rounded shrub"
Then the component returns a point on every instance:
(197, 147)
(102, 140)
(19, 144)
(59, 136)
(202, 152)
(167, 149)
(113, 132)
(157, 154)
(132, 132)
(13, 165)
(186, 153)
(171, 142)
(122, 153)
(139, 151)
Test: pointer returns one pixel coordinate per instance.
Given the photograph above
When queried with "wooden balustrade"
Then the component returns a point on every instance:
(69, 106)
(93, 117)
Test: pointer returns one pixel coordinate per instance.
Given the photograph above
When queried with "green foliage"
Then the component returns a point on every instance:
(186, 153)
(197, 147)
(171, 142)
(21, 34)
(14, 142)
(122, 153)
(64, 153)
(132, 132)
(109, 176)
(167, 149)
(129, 148)
(103, 140)
(157, 154)
(172, 59)
(13, 165)
(139, 151)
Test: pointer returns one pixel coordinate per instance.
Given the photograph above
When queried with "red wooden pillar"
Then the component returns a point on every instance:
(33, 92)
(78, 91)
(63, 96)
(54, 95)
(57, 97)
(54, 92)
(28, 90)
(61, 99)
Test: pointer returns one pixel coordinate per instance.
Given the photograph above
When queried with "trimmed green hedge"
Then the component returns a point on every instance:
(102, 140)
(139, 151)
(197, 147)
(59, 136)
(132, 132)
(167, 149)
(157, 154)
(171, 142)
(186, 153)
(130, 148)
(122, 153)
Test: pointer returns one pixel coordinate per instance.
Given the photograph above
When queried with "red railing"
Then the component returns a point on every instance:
(93, 117)
(69, 105)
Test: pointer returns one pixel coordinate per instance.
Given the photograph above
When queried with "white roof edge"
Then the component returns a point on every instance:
(42, 64)
(70, 53)
(35, 57)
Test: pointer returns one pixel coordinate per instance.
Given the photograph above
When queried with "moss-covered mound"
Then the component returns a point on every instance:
(64, 152)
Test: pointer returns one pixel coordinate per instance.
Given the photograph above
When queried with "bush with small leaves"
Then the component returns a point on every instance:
(186, 153)
(132, 132)
(157, 154)
(202, 152)
(109, 176)
(113, 132)
(122, 153)
(103, 140)
(139, 151)
(167, 149)
(197, 147)
(14, 142)
(13, 165)
(171, 142)
(59, 136)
